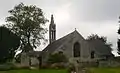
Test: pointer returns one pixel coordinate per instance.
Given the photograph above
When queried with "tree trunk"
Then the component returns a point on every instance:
(40, 61)
(29, 45)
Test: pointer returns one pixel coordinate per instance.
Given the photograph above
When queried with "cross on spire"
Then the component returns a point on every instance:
(75, 29)
(52, 19)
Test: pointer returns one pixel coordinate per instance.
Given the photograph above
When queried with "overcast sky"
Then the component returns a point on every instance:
(87, 16)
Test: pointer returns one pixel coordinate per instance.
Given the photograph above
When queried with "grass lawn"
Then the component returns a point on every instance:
(105, 70)
(36, 71)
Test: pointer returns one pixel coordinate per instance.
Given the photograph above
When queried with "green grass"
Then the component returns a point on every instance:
(36, 71)
(105, 70)
(93, 70)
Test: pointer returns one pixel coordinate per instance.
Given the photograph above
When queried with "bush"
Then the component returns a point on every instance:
(58, 65)
(7, 66)
(71, 67)
(44, 66)
(10, 66)
(57, 58)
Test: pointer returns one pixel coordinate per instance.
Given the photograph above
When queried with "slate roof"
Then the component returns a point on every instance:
(56, 44)
(100, 48)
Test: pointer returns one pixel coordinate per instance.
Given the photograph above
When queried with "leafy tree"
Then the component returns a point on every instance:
(95, 36)
(27, 22)
(57, 58)
(9, 42)
(118, 45)
(118, 42)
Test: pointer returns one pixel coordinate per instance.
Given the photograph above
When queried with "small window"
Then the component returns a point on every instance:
(92, 54)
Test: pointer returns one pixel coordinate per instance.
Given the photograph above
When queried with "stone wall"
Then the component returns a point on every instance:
(24, 59)
(109, 63)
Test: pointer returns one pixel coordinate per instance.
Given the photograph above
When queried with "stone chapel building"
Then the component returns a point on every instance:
(74, 47)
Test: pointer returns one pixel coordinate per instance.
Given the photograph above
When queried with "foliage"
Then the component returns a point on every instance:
(9, 42)
(28, 22)
(71, 67)
(7, 66)
(57, 58)
(58, 66)
(118, 45)
(95, 36)
(118, 42)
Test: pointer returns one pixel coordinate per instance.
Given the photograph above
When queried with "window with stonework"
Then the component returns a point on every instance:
(76, 50)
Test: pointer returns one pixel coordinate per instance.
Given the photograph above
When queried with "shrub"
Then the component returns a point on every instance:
(10, 66)
(57, 58)
(58, 65)
(44, 66)
(71, 68)
(7, 66)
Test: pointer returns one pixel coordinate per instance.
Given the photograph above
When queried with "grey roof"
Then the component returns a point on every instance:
(100, 48)
(54, 45)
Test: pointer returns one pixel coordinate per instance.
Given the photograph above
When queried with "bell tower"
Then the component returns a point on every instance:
(52, 30)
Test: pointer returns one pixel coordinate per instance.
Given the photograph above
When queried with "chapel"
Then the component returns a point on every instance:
(73, 45)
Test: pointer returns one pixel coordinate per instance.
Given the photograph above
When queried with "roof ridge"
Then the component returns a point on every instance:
(59, 40)
(66, 35)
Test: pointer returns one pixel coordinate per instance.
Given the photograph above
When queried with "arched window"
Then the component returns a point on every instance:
(76, 49)
(92, 54)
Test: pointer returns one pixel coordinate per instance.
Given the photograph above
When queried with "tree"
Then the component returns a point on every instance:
(95, 36)
(9, 42)
(118, 45)
(118, 42)
(27, 22)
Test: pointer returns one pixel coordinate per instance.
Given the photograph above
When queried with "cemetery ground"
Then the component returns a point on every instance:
(105, 70)
(91, 70)
(36, 71)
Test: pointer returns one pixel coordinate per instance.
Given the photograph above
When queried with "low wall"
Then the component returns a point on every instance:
(109, 63)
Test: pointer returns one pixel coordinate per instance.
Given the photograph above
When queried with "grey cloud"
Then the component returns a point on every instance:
(88, 16)
(82, 10)
(96, 10)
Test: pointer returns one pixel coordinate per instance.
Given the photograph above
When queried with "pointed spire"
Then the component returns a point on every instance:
(52, 19)
(52, 30)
